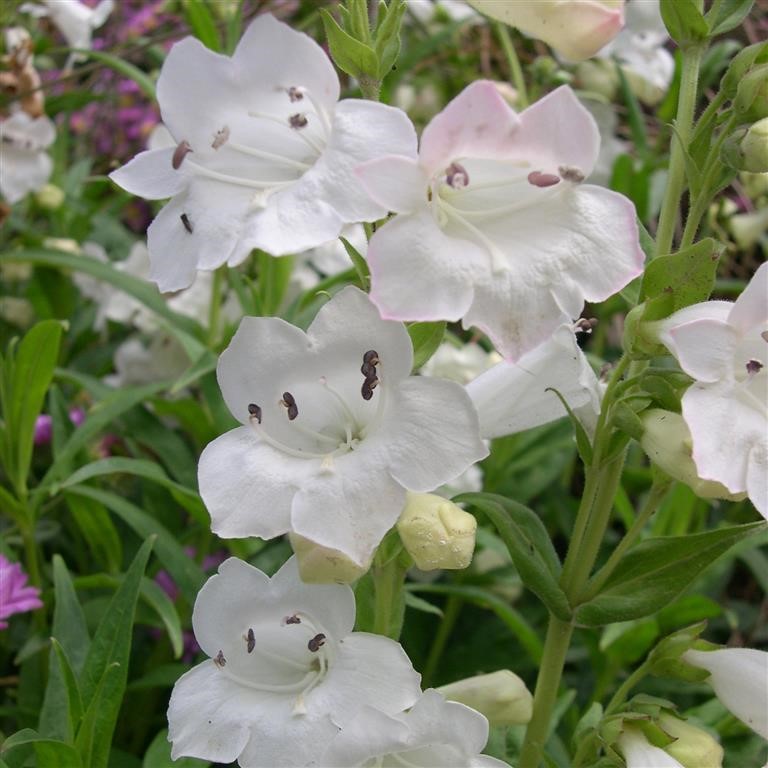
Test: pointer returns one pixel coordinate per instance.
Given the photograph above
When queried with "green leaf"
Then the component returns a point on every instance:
(420, 604)
(387, 44)
(123, 67)
(683, 21)
(50, 753)
(730, 14)
(204, 365)
(583, 443)
(529, 546)
(359, 263)
(656, 571)
(33, 367)
(185, 572)
(274, 277)
(158, 755)
(680, 279)
(349, 55)
(99, 532)
(105, 672)
(426, 338)
(74, 699)
(202, 24)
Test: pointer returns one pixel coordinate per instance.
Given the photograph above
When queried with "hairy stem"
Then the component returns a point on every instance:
(514, 64)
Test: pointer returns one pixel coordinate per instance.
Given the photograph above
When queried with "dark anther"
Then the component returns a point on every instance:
(181, 151)
(187, 223)
(371, 356)
(295, 94)
(297, 121)
(254, 411)
(290, 403)
(292, 620)
(368, 370)
(569, 173)
(221, 137)
(754, 366)
(220, 661)
(586, 324)
(539, 179)
(250, 640)
(316, 642)
(368, 386)
(456, 176)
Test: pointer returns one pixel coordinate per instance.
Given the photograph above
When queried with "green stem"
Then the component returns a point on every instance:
(389, 597)
(555, 648)
(450, 613)
(689, 83)
(655, 497)
(370, 88)
(514, 64)
(623, 690)
(214, 310)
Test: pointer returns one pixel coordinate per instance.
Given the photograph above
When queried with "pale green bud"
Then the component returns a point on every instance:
(50, 197)
(755, 184)
(501, 696)
(598, 76)
(66, 244)
(667, 441)
(436, 532)
(754, 147)
(693, 747)
(18, 312)
(321, 565)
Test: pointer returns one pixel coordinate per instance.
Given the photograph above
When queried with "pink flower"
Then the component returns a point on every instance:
(15, 595)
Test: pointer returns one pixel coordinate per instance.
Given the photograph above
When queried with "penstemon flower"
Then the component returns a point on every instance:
(263, 154)
(434, 732)
(334, 429)
(285, 670)
(494, 225)
(26, 166)
(724, 347)
(16, 596)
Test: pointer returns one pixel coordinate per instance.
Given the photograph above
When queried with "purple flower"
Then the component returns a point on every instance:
(44, 425)
(15, 595)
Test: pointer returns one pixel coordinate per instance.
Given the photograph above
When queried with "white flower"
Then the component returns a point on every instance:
(739, 677)
(575, 28)
(456, 10)
(494, 226)
(640, 753)
(724, 347)
(285, 673)
(162, 358)
(24, 164)
(639, 49)
(511, 397)
(263, 156)
(434, 732)
(459, 363)
(334, 429)
(74, 19)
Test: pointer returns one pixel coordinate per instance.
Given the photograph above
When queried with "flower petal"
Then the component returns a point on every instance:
(751, 308)
(418, 273)
(435, 436)
(704, 348)
(640, 753)
(151, 175)
(511, 397)
(248, 486)
(395, 182)
(477, 123)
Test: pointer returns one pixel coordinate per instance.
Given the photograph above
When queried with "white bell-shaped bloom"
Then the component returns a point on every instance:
(263, 154)
(24, 164)
(739, 677)
(511, 397)
(334, 429)
(640, 753)
(494, 225)
(724, 347)
(434, 732)
(285, 670)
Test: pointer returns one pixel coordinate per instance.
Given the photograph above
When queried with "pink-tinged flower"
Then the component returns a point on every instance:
(577, 29)
(285, 673)
(16, 596)
(739, 677)
(263, 153)
(494, 225)
(434, 732)
(335, 429)
(26, 166)
(724, 347)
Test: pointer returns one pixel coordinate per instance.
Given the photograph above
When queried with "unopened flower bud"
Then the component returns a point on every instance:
(752, 94)
(754, 147)
(501, 696)
(755, 184)
(50, 197)
(667, 441)
(436, 532)
(16, 311)
(63, 244)
(598, 76)
(321, 565)
(693, 747)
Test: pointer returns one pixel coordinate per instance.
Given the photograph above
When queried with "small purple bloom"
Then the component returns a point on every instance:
(44, 425)
(15, 595)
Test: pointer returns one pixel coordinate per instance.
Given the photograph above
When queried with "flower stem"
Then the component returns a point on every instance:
(389, 596)
(214, 310)
(514, 64)
(686, 105)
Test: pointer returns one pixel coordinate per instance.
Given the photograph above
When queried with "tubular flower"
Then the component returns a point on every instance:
(285, 670)
(263, 154)
(334, 429)
(724, 347)
(433, 732)
(494, 225)
(16, 596)
(577, 29)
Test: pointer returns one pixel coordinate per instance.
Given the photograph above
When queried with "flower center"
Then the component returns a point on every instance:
(321, 422)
